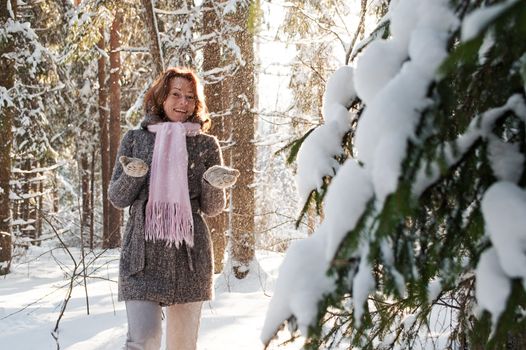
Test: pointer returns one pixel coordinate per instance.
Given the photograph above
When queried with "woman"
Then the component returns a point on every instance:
(170, 173)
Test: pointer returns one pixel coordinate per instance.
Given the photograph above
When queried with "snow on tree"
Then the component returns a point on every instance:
(7, 81)
(422, 243)
(32, 95)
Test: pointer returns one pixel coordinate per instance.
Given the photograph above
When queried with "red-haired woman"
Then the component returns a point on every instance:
(170, 173)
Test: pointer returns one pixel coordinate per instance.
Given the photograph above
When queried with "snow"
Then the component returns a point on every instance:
(5, 99)
(316, 155)
(235, 51)
(345, 204)
(363, 284)
(85, 91)
(10, 10)
(404, 16)
(29, 53)
(315, 159)
(33, 293)
(408, 321)
(339, 90)
(507, 162)
(230, 6)
(485, 47)
(480, 126)
(433, 289)
(301, 283)
(22, 222)
(476, 21)
(504, 206)
(23, 28)
(378, 64)
(492, 286)
(395, 99)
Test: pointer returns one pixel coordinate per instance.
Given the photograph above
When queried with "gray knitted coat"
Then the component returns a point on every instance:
(151, 270)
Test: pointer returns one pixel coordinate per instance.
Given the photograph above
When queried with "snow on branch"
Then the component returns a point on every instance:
(29, 53)
(316, 157)
(476, 21)
(503, 207)
(391, 78)
(38, 170)
(5, 99)
(479, 127)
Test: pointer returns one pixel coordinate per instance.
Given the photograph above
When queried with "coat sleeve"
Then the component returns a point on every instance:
(124, 189)
(212, 199)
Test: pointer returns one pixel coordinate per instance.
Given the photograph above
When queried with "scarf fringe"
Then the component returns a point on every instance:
(169, 222)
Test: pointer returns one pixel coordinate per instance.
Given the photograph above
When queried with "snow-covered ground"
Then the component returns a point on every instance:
(32, 295)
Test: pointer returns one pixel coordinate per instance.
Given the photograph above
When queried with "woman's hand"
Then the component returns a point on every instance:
(133, 167)
(221, 176)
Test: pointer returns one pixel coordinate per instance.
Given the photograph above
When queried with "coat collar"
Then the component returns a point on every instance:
(150, 119)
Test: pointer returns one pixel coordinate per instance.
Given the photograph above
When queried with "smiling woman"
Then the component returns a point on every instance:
(170, 173)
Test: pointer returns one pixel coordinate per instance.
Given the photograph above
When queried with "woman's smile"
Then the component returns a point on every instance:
(179, 105)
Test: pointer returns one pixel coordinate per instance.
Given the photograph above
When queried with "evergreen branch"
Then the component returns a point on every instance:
(294, 147)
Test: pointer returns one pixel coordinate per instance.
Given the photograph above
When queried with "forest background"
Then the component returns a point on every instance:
(73, 85)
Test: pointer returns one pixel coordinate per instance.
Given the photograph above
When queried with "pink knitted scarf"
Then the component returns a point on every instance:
(168, 211)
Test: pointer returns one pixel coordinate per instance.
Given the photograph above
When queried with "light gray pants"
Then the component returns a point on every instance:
(145, 327)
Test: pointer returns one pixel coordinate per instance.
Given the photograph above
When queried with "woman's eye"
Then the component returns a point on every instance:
(190, 98)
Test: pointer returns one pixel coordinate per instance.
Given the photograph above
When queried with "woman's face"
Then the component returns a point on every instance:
(180, 102)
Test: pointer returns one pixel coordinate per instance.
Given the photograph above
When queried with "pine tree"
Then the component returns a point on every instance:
(34, 94)
(6, 136)
(429, 243)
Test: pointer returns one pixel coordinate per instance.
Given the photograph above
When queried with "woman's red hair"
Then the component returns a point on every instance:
(157, 93)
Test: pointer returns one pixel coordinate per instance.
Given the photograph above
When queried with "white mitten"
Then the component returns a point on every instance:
(221, 176)
(133, 167)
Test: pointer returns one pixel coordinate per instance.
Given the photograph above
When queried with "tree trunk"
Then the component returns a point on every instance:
(7, 80)
(243, 150)
(29, 206)
(36, 183)
(92, 199)
(114, 237)
(56, 199)
(150, 21)
(85, 188)
(40, 208)
(215, 100)
(104, 139)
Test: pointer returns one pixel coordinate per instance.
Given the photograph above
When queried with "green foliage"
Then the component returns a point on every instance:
(84, 32)
(437, 234)
(294, 147)
(315, 198)
(255, 16)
